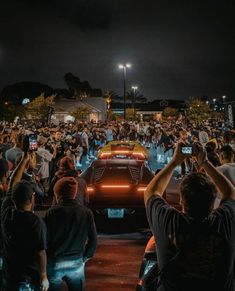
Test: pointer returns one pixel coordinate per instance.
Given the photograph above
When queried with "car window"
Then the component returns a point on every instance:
(112, 174)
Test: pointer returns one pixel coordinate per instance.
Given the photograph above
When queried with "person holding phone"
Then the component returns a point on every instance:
(23, 236)
(195, 247)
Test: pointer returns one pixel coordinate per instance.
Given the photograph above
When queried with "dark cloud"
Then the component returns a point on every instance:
(177, 48)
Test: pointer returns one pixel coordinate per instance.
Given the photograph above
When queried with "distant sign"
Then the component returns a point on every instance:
(25, 101)
(230, 115)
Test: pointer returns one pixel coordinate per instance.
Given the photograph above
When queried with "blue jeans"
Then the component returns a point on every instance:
(70, 271)
(23, 286)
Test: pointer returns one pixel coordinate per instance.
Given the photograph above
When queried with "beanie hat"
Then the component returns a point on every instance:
(66, 163)
(66, 188)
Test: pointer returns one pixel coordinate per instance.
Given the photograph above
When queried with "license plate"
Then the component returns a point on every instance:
(121, 156)
(115, 213)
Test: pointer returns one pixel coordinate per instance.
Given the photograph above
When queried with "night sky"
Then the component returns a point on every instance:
(177, 48)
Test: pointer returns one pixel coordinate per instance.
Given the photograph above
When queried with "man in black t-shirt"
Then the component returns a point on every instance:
(72, 237)
(24, 241)
(195, 247)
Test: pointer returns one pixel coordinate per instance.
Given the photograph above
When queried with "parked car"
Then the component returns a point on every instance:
(116, 187)
(123, 150)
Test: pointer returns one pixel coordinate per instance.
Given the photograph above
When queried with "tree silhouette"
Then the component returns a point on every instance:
(81, 112)
(197, 111)
(135, 97)
(79, 89)
(38, 108)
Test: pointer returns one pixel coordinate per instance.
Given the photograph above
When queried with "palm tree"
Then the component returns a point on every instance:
(135, 97)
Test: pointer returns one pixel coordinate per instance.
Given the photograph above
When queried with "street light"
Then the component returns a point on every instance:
(214, 100)
(124, 68)
(223, 97)
(134, 88)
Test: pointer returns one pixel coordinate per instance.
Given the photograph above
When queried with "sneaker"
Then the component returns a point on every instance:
(87, 162)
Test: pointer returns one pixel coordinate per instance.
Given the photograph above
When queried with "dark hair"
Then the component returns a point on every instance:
(198, 193)
(227, 151)
(214, 159)
(22, 193)
(228, 136)
(210, 147)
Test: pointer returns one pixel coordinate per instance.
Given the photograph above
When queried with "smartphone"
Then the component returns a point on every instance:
(33, 143)
(187, 150)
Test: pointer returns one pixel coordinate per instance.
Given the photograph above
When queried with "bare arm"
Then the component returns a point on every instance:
(42, 262)
(159, 183)
(18, 172)
(224, 186)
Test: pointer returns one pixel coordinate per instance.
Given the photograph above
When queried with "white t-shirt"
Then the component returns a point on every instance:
(229, 171)
(46, 157)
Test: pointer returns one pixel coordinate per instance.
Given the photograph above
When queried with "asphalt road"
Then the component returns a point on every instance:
(116, 263)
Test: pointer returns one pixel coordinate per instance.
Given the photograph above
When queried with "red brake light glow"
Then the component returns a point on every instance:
(90, 189)
(115, 186)
(141, 189)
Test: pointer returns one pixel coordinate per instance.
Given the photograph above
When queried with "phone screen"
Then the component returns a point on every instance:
(33, 144)
(187, 150)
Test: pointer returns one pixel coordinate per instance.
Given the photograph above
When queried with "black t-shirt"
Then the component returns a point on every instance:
(23, 235)
(71, 231)
(194, 255)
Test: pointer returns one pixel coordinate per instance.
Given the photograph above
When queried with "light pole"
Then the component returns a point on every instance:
(124, 68)
(134, 88)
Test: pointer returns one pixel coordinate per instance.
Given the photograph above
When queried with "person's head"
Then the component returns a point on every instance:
(23, 195)
(65, 189)
(214, 159)
(198, 194)
(58, 135)
(42, 141)
(68, 152)
(19, 140)
(210, 147)
(228, 137)
(226, 154)
(183, 134)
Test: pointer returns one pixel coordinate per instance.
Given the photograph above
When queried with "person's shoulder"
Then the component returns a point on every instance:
(85, 210)
(226, 207)
(54, 209)
(156, 199)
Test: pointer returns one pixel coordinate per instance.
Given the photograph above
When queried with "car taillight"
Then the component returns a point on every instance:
(115, 186)
(141, 189)
(90, 189)
(105, 155)
(139, 155)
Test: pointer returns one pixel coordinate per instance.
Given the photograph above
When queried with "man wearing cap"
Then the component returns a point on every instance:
(24, 237)
(71, 235)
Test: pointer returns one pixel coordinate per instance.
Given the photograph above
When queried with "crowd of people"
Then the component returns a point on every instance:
(39, 252)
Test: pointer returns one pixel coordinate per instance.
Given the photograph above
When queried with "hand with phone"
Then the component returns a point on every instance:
(33, 143)
(187, 150)
(178, 156)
